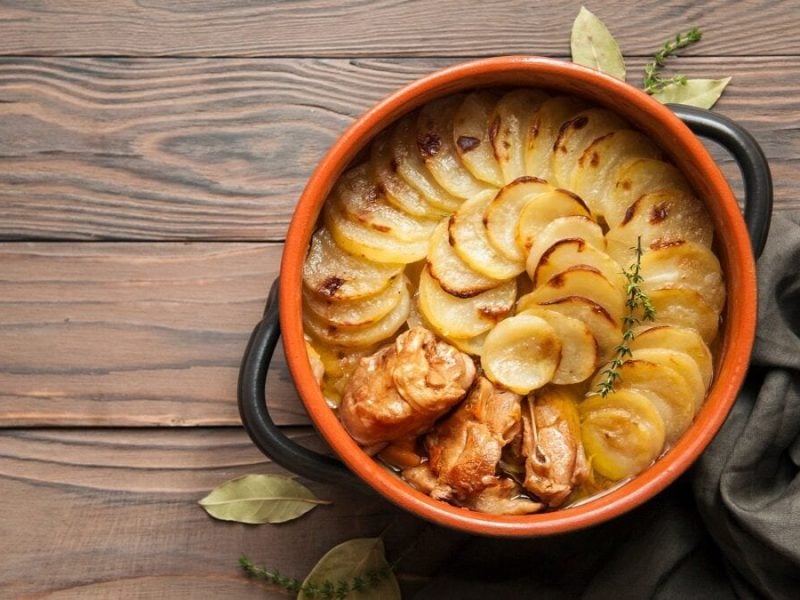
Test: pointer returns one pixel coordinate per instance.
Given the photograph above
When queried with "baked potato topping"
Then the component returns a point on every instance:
(466, 289)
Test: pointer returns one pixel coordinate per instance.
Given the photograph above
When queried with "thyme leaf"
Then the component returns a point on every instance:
(653, 80)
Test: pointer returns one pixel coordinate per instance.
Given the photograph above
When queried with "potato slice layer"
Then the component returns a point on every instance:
(360, 312)
(682, 339)
(471, 137)
(564, 228)
(507, 129)
(543, 126)
(503, 214)
(566, 253)
(686, 308)
(541, 210)
(454, 275)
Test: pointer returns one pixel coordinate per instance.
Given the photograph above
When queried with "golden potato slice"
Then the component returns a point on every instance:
(622, 433)
(584, 281)
(503, 214)
(541, 210)
(471, 136)
(356, 313)
(333, 273)
(508, 131)
(438, 150)
(362, 336)
(685, 265)
(361, 240)
(383, 170)
(521, 353)
(682, 339)
(682, 364)
(542, 129)
(567, 253)
(634, 179)
(560, 229)
(595, 171)
(412, 169)
(685, 308)
(472, 346)
(606, 331)
(471, 241)
(452, 273)
(454, 317)
(579, 352)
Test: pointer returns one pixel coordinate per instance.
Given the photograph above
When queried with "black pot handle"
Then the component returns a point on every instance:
(752, 164)
(255, 415)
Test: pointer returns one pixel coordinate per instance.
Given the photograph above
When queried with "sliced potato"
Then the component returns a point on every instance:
(508, 131)
(595, 171)
(575, 136)
(542, 130)
(622, 433)
(521, 353)
(333, 273)
(472, 346)
(438, 151)
(454, 317)
(412, 169)
(560, 229)
(683, 364)
(503, 214)
(567, 253)
(356, 313)
(471, 137)
(471, 241)
(685, 308)
(673, 337)
(579, 352)
(541, 210)
(685, 265)
(452, 273)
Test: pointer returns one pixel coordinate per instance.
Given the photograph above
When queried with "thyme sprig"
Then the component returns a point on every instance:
(637, 299)
(653, 81)
(324, 590)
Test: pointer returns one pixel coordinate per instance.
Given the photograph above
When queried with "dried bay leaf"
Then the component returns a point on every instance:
(358, 560)
(593, 45)
(257, 499)
(702, 93)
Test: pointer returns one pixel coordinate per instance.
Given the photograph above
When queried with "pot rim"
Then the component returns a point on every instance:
(731, 240)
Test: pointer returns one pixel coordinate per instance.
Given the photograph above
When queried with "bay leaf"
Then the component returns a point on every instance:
(257, 499)
(593, 45)
(703, 93)
(349, 560)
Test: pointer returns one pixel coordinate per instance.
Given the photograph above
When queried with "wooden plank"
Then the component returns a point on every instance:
(221, 149)
(132, 334)
(113, 513)
(384, 27)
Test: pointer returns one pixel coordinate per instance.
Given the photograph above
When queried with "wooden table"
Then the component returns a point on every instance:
(151, 154)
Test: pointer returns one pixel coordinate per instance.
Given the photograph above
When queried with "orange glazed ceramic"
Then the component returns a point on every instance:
(732, 246)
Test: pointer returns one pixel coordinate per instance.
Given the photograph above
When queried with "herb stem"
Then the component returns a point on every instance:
(653, 81)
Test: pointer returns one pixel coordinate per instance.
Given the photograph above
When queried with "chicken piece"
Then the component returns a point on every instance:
(555, 460)
(505, 497)
(402, 389)
(420, 478)
(466, 448)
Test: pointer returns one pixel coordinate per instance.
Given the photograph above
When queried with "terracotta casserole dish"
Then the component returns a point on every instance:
(737, 241)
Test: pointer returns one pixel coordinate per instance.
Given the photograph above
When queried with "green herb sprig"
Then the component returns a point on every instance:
(637, 299)
(653, 81)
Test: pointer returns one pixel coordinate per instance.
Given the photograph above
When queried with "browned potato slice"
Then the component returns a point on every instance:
(622, 433)
(542, 130)
(412, 169)
(594, 174)
(362, 336)
(503, 214)
(361, 240)
(521, 353)
(541, 210)
(560, 229)
(452, 273)
(454, 317)
(686, 308)
(356, 313)
(579, 353)
(682, 364)
(567, 253)
(364, 202)
(438, 151)
(332, 273)
(584, 281)
(508, 132)
(606, 331)
(471, 137)
(673, 337)
(685, 265)
(383, 170)
(471, 241)
(634, 179)
(472, 346)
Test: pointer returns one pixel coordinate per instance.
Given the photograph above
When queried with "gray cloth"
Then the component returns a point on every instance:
(730, 528)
